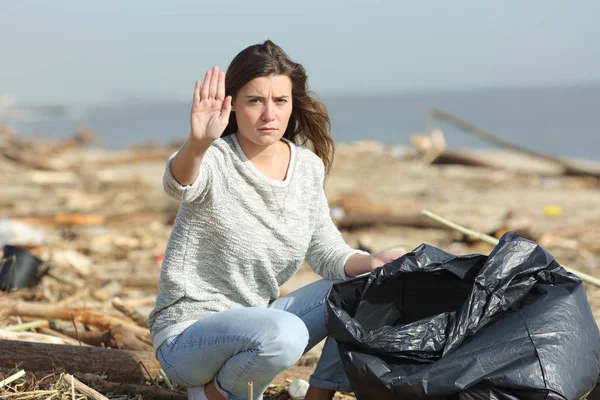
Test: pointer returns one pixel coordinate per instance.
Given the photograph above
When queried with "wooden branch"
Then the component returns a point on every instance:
(27, 326)
(568, 168)
(145, 392)
(131, 312)
(67, 339)
(116, 338)
(449, 157)
(142, 282)
(360, 220)
(30, 337)
(69, 380)
(493, 241)
(83, 315)
(119, 365)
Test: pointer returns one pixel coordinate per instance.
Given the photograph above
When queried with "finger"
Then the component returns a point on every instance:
(214, 80)
(204, 92)
(197, 92)
(221, 86)
(226, 108)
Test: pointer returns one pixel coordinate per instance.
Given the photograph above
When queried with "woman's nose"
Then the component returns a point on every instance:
(267, 114)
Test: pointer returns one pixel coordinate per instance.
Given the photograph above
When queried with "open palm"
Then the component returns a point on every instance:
(210, 108)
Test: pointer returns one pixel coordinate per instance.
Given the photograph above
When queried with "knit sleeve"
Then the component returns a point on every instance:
(328, 251)
(199, 188)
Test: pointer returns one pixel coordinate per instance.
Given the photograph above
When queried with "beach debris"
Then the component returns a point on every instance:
(19, 234)
(493, 241)
(567, 168)
(115, 364)
(298, 389)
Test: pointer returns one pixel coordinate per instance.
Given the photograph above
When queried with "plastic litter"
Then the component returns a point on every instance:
(432, 325)
(17, 233)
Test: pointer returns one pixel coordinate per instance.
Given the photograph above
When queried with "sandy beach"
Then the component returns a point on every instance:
(376, 194)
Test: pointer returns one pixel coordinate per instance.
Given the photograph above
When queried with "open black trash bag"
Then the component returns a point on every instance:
(431, 325)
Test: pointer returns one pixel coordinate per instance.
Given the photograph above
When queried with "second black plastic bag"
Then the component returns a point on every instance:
(431, 325)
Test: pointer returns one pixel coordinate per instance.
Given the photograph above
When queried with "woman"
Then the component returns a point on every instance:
(252, 209)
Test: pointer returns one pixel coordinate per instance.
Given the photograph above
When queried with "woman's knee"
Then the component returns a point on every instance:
(288, 338)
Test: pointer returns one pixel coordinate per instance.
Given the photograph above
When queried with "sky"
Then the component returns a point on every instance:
(96, 51)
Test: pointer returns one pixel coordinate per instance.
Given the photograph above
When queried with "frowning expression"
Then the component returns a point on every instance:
(263, 108)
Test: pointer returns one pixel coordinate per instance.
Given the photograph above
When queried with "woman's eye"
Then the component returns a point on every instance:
(281, 101)
(254, 101)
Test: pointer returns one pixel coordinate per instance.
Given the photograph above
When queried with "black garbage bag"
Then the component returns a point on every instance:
(431, 325)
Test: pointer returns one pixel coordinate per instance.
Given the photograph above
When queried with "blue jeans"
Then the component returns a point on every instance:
(255, 344)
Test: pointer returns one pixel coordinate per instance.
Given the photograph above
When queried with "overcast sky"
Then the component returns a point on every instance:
(73, 50)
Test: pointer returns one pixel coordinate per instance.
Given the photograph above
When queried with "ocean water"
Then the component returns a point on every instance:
(559, 120)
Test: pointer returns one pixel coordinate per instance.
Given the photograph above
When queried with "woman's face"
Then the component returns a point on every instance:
(263, 108)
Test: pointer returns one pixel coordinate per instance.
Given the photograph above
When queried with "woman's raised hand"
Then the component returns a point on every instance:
(210, 110)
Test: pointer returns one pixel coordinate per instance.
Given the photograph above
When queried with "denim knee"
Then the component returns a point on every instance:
(289, 337)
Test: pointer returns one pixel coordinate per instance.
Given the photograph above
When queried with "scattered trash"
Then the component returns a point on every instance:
(17, 233)
(298, 389)
(19, 268)
(553, 210)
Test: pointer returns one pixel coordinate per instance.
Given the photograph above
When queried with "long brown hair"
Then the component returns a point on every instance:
(309, 123)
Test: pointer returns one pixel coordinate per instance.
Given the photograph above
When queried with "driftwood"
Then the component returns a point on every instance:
(63, 219)
(118, 337)
(360, 221)
(146, 392)
(568, 169)
(67, 339)
(83, 315)
(131, 312)
(68, 380)
(12, 378)
(461, 158)
(493, 241)
(30, 337)
(118, 365)
(142, 282)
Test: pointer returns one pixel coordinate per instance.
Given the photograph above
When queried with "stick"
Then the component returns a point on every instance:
(27, 326)
(139, 391)
(250, 390)
(493, 241)
(166, 380)
(132, 313)
(568, 168)
(84, 315)
(82, 387)
(67, 339)
(12, 378)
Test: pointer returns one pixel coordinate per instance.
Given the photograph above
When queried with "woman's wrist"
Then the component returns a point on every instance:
(358, 264)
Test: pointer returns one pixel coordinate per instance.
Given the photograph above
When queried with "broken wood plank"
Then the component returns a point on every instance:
(12, 378)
